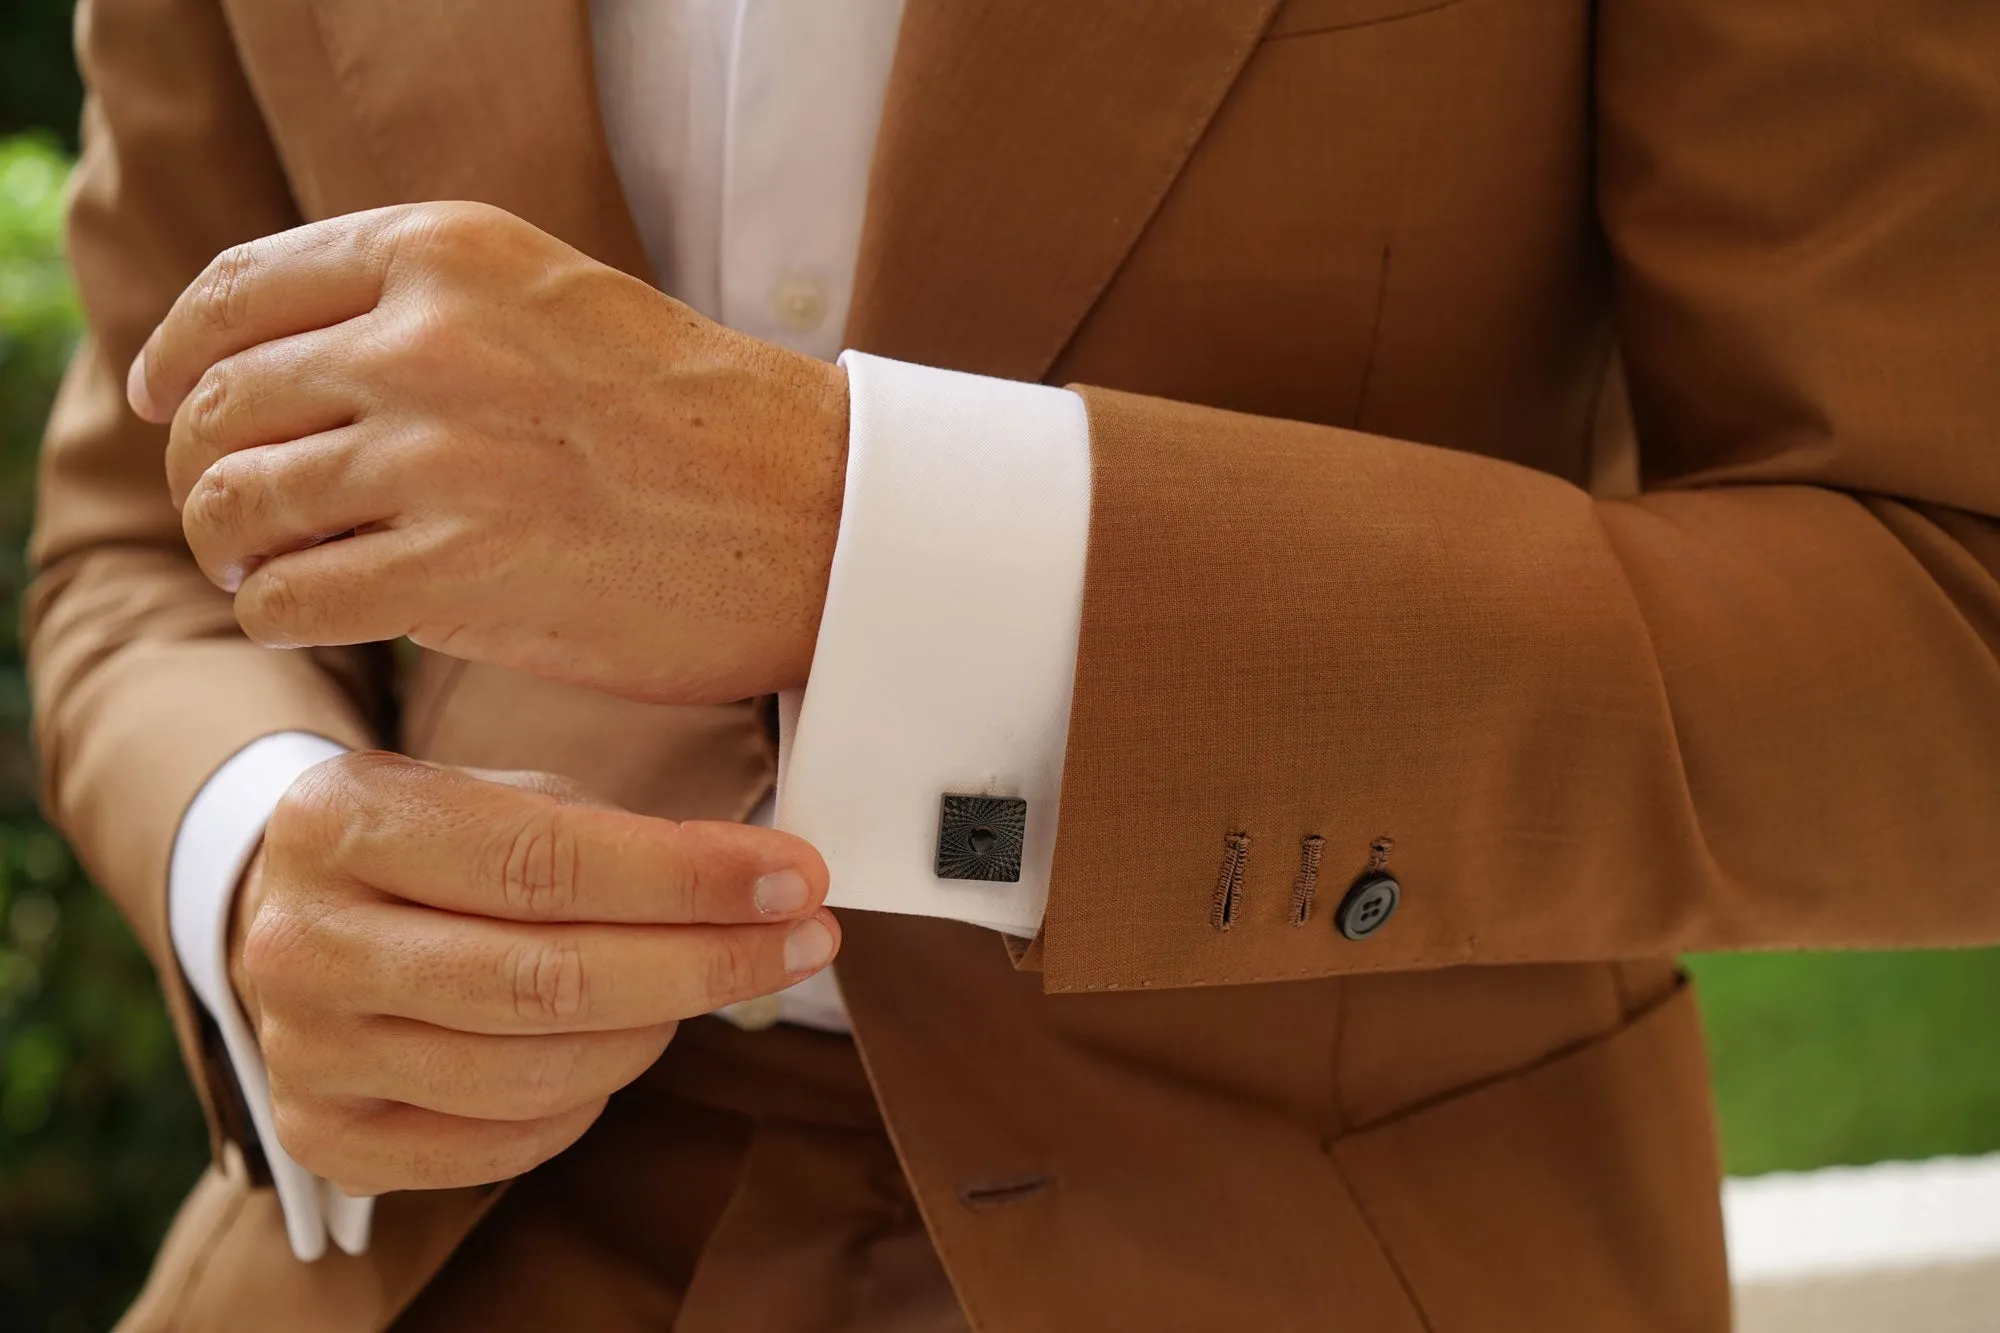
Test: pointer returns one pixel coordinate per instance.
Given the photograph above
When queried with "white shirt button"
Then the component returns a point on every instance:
(799, 304)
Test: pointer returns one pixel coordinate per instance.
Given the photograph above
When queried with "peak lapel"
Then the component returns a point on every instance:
(1024, 145)
(494, 100)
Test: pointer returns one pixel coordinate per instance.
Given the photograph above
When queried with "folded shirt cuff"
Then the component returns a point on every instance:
(947, 652)
(218, 835)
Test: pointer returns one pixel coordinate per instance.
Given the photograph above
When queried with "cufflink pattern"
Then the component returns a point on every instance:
(980, 837)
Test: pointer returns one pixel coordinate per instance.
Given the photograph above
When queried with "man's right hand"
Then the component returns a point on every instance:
(449, 975)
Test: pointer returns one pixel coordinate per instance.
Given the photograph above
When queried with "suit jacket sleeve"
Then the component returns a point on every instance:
(142, 683)
(1758, 705)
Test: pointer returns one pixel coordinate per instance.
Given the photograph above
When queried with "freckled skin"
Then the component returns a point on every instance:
(437, 421)
(525, 457)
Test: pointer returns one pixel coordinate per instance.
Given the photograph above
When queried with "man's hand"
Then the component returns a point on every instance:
(449, 976)
(437, 421)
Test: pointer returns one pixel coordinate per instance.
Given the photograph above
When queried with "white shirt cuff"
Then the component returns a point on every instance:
(947, 652)
(217, 837)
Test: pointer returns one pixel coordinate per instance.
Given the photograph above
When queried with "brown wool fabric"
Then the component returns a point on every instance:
(1558, 439)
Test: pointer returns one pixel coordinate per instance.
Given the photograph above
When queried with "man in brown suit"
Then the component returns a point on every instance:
(1544, 515)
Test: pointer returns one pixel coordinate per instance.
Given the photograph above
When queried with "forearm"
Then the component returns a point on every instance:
(1722, 717)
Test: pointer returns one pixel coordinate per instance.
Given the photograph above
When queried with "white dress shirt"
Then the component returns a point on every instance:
(742, 132)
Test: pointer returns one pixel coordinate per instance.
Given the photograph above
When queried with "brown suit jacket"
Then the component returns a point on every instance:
(1371, 557)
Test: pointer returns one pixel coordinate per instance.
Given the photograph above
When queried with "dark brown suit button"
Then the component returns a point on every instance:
(1368, 905)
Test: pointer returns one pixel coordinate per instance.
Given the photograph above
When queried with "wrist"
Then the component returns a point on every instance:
(824, 471)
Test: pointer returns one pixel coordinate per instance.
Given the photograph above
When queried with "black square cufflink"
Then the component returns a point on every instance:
(980, 837)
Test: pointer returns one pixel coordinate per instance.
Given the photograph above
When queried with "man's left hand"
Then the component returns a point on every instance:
(437, 421)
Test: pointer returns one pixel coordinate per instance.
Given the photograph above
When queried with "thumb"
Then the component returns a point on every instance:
(566, 790)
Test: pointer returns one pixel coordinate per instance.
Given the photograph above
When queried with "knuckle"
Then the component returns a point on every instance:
(224, 503)
(275, 945)
(316, 806)
(441, 450)
(547, 981)
(538, 875)
(358, 771)
(308, 1129)
(449, 227)
(367, 802)
(224, 289)
(416, 346)
(402, 352)
(734, 964)
(273, 608)
(208, 407)
(454, 224)
(340, 1146)
(290, 1053)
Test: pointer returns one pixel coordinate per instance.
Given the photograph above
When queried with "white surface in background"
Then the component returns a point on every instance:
(1912, 1247)
(1893, 1213)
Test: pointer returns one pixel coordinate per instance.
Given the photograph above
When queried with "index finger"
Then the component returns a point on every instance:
(293, 282)
(448, 840)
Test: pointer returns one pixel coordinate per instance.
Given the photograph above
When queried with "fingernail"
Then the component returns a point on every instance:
(136, 392)
(809, 947)
(781, 893)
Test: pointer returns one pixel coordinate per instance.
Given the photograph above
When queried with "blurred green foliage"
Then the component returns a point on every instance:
(1824, 1058)
(39, 88)
(99, 1133)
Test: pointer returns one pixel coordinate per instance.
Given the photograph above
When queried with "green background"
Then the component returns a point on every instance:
(1818, 1058)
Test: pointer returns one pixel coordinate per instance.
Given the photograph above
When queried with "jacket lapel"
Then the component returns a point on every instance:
(1024, 146)
(493, 100)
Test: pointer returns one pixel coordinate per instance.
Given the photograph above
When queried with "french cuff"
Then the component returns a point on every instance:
(217, 837)
(947, 651)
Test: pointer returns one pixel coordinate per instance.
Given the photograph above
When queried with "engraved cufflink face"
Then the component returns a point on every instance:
(979, 837)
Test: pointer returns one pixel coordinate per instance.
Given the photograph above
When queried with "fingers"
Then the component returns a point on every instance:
(445, 839)
(474, 1075)
(372, 1148)
(411, 1047)
(252, 506)
(273, 392)
(307, 278)
(473, 974)
(361, 589)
